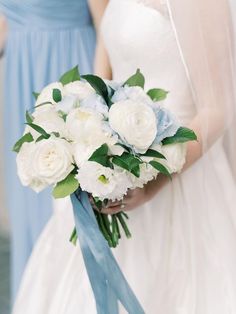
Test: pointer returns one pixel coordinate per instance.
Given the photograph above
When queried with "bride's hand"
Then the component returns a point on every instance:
(137, 197)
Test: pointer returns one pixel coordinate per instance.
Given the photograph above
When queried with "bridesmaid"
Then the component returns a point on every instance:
(45, 38)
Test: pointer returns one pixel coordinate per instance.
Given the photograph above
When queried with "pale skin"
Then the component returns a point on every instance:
(137, 197)
(3, 32)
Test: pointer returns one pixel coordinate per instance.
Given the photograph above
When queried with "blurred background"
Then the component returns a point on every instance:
(4, 224)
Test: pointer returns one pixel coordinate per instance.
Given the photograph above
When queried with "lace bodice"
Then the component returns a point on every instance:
(138, 35)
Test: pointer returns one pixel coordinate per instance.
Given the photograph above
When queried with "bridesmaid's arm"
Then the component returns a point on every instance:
(3, 33)
(101, 64)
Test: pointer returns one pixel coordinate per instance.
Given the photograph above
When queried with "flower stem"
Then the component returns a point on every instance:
(74, 237)
(124, 225)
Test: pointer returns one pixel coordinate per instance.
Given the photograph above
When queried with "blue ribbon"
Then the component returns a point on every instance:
(107, 280)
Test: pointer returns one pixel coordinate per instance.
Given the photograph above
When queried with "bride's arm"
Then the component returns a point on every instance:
(101, 62)
(3, 33)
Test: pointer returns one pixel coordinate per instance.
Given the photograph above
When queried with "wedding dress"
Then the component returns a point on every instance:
(181, 258)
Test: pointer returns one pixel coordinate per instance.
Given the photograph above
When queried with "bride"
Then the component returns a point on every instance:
(182, 257)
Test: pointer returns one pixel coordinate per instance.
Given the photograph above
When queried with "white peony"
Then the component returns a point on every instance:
(135, 122)
(103, 182)
(50, 121)
(44, 163)
(175, 156)
(84, 125)
(46, 95)
(67, 103)
(79, 88)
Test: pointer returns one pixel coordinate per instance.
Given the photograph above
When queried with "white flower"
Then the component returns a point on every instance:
(24, 168)
(135, 122)
(84, 125)
(44, 163)
(175, 156)
(67, 103)
(79, 88)
(147, 173)
(134, 93)
(46, 95)
(103, 182)
(50, 121)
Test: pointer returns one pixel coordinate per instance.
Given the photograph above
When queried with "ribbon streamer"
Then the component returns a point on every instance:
(107, 280)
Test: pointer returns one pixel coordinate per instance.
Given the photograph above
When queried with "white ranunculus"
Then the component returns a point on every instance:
(50, 121)
(175, 156)
(44, 163)
(103, 182)
(84, 125)
(135, 123)
(79, 88)
(46, 95)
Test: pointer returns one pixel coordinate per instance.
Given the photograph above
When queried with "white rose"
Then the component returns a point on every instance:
(52, 160)
(44, 163)
(79, 88)
(50, 121)
(24, 168)
(103, 182)
(175, 156)
(135, 122)
(46, 95)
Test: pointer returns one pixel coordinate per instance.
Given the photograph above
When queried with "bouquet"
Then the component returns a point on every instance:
(101, 137)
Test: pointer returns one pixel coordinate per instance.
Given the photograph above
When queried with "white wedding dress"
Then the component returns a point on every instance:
(182, 256)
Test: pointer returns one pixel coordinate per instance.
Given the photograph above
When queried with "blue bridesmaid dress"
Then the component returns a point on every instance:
(46, 38)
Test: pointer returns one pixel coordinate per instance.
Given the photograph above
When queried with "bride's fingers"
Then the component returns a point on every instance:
(115, 209)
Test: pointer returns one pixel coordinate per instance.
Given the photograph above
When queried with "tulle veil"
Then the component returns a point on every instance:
(206, 39)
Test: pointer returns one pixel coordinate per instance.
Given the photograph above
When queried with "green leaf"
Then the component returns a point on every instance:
(56, 95)
(101, 156)
(43, 104)
(99, 85)
(62, 114)
(66, 187)
(40, 138)
(128, 162)
(136, 80)
(56, 134)
(162, 169)
(39, 130)
(29, 118)
(36, 95)
(153, 153)
(26, 138)
(70, 76)
(181, 136)
(157, 94)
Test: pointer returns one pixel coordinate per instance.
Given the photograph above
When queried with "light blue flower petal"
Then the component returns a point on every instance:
(167, 124)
